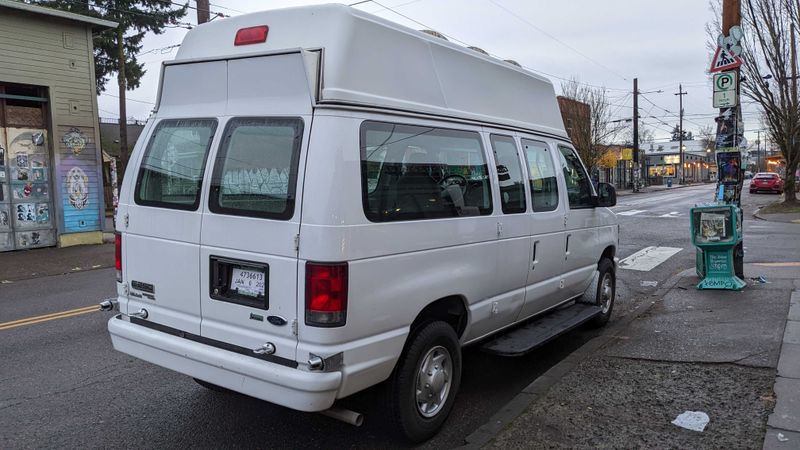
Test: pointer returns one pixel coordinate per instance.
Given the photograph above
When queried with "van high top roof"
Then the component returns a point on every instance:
(370, 61)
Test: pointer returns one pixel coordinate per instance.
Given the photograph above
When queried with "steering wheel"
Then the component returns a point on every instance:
(454, 180)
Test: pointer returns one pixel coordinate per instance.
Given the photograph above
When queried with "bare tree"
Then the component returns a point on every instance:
(590, 133)
(708, 136)
(769, 76)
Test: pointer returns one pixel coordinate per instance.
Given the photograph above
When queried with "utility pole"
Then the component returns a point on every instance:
(123, 87)
(636, 135)
(202, 11)
(680, 95)
(758, 152)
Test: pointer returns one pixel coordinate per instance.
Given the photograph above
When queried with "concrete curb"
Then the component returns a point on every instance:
(539, 387)
(783, 425)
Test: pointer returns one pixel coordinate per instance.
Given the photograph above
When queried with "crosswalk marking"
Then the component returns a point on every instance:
(650, 214)
(631, 212)
(648, 258)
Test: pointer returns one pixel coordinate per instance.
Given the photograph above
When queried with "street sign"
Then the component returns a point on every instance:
(627, 154)
(725, 81)
(724, 60)
(725, 90)
(725, 99)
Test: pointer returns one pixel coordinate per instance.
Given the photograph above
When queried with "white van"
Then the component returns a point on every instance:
(324, 200)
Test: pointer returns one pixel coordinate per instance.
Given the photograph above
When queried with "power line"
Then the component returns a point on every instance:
(459, 41)
(556, 39)
(229, 9)
(128, 98)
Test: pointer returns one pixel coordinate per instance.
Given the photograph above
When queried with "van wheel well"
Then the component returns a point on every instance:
(449, 309)
(608, 253)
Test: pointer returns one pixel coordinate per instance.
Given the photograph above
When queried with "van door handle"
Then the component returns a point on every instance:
(566, 255)
(535, 261)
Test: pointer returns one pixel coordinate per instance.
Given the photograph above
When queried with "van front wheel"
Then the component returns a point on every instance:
(425, 381)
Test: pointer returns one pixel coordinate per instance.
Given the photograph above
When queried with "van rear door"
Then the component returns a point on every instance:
(251, 221)
(161, 222)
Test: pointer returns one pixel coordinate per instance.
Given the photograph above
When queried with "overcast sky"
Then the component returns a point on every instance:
(603, 43)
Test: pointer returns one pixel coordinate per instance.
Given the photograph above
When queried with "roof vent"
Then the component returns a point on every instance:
(435, 33)
(512, 62)
(479, 50)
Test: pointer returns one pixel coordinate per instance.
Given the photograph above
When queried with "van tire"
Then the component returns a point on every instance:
(606, 292)
(211, 386)
(431, 343)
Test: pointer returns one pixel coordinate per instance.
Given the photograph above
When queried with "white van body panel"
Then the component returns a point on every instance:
(371, 61)
(335, 68)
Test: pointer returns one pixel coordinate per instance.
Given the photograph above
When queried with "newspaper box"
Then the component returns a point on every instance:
(716, 230)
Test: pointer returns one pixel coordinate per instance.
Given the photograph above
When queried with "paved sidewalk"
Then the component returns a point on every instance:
(25, 264)
(709, 351)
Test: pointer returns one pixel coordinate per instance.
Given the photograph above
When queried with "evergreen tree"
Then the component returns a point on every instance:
(115, 50)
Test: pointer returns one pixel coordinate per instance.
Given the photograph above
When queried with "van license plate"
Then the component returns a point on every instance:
(248, 282)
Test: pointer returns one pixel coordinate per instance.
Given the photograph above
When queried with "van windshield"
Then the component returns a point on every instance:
(171, 173)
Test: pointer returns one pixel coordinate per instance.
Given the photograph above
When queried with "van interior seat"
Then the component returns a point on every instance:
(416, 190)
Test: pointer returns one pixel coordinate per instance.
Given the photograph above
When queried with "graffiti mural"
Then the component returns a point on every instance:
(81, 182)
(75, 140)
(77, 188)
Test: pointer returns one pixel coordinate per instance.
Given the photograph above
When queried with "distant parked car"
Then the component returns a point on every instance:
(748, 174)
(766, 181)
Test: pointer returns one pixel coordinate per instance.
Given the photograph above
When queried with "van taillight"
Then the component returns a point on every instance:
(326, 294)
(252, 35)
(118, 255)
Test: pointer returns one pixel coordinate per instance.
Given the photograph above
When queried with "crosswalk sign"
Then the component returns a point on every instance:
(724, 60)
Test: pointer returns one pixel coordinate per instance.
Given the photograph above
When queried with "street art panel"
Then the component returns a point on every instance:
(38, 238)
(26, 188)
(80, 185)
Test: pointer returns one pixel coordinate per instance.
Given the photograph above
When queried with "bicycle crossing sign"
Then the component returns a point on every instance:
(724, 60)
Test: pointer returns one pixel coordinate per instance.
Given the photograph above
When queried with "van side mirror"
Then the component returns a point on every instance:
(606, 195)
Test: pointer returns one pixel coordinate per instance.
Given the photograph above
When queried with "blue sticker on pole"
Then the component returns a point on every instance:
(721, 193)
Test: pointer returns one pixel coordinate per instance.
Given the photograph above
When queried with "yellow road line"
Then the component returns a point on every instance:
(779, 264)
(46, 317)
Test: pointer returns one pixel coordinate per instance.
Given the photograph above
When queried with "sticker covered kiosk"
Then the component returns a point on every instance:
(716, 231)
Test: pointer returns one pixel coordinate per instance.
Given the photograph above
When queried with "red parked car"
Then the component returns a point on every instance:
(766, 181)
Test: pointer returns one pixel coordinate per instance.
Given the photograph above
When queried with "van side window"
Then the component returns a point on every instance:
(255, 173)
(171, 173)
(411, 172)
(509, 174)
(542, 173)
(579, 186)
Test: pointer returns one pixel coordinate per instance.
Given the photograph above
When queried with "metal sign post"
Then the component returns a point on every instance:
(730, 173)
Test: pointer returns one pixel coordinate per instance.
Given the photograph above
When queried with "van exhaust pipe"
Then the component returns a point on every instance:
(345, 415)
(109, 305)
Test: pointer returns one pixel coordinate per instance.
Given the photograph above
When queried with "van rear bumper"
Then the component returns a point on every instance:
(285, 386)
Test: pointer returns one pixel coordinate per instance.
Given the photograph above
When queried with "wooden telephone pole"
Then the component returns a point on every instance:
(202, 11)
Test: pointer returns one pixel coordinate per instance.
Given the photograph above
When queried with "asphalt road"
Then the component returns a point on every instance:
(62, 385)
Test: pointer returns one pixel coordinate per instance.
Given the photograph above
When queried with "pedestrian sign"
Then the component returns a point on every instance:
(725, 90)
(724, 60)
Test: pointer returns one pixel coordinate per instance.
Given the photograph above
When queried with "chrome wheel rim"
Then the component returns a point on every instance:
(433, 381)
(606, 293)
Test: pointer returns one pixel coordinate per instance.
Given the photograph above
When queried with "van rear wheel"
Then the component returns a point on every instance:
(425, 381)
(606, 292)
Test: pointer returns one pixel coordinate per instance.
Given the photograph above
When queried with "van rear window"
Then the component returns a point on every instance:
(255, 173)
(171, 173)
(413, 172)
